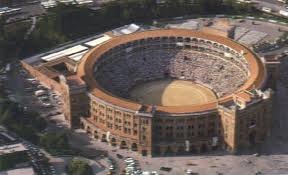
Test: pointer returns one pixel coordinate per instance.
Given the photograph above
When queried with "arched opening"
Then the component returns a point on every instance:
(172, 39)
(123, 145)
(193, 149)
(187, 39)
(144, 152)
(164, 38)
(203, 148)
(88, 130)
(194, 39)
(82, 126)
(96, 135)
(134, 147)
(180, 39)
(113, 141)
(227, 49)
(103, 138)
(252, 138)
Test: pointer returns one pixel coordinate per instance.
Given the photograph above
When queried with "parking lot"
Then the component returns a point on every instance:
(21, 88)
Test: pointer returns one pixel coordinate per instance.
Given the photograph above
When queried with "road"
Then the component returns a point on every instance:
(30, 30)
(274, 5)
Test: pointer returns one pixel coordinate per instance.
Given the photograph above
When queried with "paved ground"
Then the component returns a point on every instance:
(172, 93)
(270, 28)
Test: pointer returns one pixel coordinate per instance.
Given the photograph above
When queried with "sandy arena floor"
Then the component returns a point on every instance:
(172, 93)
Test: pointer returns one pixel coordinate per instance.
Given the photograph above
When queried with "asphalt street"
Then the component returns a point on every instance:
(274, 5)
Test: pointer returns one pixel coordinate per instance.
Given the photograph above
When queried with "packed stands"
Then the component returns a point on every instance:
(125, 71)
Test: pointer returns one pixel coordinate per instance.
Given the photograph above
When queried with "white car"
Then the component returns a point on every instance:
(31, 79)
(47, 104)
(40, 93)
(129, 161)
(266, 9)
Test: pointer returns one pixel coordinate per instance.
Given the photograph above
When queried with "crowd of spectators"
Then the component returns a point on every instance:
(125, 72)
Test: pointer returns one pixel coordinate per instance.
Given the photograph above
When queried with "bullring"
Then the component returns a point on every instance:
(98, 96)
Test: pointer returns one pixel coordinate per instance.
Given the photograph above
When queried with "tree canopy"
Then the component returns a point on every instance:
(26, 124)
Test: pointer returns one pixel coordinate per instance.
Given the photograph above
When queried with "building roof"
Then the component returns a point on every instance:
(85, 69)
(19, 171)
(98, 41)
(65, 52)
(78, 56)
(127, 29)
(7, 149)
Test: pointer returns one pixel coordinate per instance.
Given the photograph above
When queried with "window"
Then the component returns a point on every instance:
(252, 123)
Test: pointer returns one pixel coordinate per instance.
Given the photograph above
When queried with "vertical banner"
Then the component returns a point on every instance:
(187, 145)
(108, 136)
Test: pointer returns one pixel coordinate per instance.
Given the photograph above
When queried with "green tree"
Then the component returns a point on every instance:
(78, 167)
(8, 161)
(55, 142)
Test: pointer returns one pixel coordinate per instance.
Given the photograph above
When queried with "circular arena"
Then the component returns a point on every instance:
(173, 91)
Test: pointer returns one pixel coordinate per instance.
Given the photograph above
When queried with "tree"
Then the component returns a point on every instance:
(8, 161)
(55, 142)
(78, 167)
